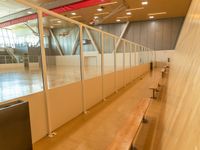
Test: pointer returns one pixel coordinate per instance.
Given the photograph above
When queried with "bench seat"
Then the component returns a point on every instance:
(124, 138)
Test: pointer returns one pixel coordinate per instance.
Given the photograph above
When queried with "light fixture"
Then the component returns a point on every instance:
(59, 21)
(100, 9)
(158, 13)
(96, 17)
(129, 13)
(51, 27)
(118, 20)
(144, 2)
(109, 3)
(151, 17)
(73, 13)
(29, 12)
(133, 9)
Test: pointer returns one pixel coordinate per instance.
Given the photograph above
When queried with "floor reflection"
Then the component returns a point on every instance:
(19, 82)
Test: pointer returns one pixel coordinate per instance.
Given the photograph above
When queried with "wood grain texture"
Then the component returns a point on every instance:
(180, 119)
(128, 132)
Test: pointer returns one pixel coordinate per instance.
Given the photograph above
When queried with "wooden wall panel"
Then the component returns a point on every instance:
(180, 125)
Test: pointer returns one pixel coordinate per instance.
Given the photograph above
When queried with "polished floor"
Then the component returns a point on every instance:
(20, 82)
(95, 130)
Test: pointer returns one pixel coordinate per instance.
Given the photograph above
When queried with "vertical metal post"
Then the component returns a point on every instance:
(102, 65)
(130, 55)
(135, 50)
(124, 63)
(44, 72)
(82, 68)
(115, 66)
(130, 48)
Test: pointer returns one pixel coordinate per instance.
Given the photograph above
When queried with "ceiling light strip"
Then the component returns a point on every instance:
(133, 9)
(110, 3)
(159, 13)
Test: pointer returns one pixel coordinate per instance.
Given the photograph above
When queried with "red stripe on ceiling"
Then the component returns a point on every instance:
(62, 9)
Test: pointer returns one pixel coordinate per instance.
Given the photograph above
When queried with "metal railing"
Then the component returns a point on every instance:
(7, 59)
(107, 42)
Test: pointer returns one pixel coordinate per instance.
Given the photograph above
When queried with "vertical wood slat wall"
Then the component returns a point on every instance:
(181, 115)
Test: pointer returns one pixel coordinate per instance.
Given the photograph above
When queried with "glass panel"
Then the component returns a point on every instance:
(92, 53)
(119, 56)
(133, 54)
(127, 55)
(20, 67)
(109, 47)
(61, 39)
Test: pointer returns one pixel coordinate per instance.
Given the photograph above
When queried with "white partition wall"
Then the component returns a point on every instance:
(87, 67)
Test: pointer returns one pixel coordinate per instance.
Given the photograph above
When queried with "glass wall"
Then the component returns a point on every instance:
(109, 47)
(62, 44)
(20, 54)
(127, 55)
(20, 59)
(92, 49)
(120, 55)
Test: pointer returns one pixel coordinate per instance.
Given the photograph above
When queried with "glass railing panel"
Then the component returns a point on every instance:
(109, 47)
(62, 44)
(127, 54)
(20, 57)
(92, 48)
(119, 54)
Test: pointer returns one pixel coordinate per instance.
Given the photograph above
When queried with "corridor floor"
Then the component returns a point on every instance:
(96, 129)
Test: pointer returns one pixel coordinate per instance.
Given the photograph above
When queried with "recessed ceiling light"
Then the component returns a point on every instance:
(29, 12)
(51, 27)
(129, 13)
(118, 20)
(59, 21)
(73, 13)
(151, 17)
(96, 17)
(144, 3)
(100, 9)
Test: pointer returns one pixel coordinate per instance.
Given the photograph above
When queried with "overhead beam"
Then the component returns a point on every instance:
(114, 12)
(57, 43)
(121, 36)
(75, 44)
(92, 40)
(34, 32)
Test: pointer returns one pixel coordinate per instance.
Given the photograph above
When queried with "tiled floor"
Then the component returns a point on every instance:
(95, 130)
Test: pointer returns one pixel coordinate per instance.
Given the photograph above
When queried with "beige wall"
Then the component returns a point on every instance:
(162, 57)
(181, 116)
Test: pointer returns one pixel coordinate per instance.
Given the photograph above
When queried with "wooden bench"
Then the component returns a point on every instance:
(163, 71)
(124, 138)
(155, 87)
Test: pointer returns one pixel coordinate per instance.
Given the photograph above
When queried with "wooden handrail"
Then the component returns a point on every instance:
(125, 136)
